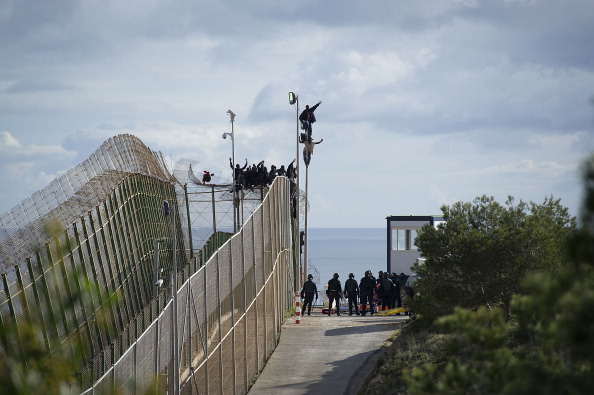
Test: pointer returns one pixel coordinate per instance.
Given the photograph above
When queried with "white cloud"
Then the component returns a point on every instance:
(12, 149)
(424, 103)
(7, 141)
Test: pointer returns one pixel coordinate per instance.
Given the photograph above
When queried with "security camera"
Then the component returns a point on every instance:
(224, 135)
(159, 283)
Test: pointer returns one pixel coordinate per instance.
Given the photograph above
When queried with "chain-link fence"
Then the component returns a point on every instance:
(74, 194)
(111, 228)
(229, 313)
(105, 214)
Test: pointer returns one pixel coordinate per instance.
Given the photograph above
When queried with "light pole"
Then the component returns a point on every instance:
(294, 99)
(235, 202)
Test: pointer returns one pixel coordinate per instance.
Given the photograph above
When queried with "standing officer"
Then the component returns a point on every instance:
(308, 292)
(334, 294)
(388, 292)
(351, 292)
(367, 288)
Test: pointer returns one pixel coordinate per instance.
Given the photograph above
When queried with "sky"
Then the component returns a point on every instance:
(424, 103)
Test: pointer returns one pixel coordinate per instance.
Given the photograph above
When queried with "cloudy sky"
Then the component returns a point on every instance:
(425, 103)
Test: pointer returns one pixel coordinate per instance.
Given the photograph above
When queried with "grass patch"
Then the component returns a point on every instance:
(410, 347)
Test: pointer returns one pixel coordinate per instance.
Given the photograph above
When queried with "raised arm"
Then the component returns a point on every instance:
(312, 109)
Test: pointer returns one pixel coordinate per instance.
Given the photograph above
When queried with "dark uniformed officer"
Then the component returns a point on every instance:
(366, 289)
(334, 294)
(307, 293)
(401, 284)
(388, 292)
(351, 292)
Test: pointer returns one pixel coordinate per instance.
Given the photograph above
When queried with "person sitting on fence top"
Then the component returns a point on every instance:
(238, 173)
(206, 177)
(272, 174)
(291, 171)
(281, 171)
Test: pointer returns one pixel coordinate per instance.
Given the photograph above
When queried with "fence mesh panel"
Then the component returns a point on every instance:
(227, 324)
(230, 293)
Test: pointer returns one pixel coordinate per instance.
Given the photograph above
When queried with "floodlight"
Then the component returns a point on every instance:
(292, 98)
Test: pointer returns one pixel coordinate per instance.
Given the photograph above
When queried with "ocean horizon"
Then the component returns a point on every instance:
(344, 251)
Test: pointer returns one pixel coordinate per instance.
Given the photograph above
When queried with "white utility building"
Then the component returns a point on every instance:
(401, 234)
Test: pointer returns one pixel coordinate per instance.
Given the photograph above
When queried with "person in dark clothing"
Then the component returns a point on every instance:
(388, 292)
(262, 174)
(206, 176)
(401, 283)
(334, 294)
(351, 292)
(307, 117)
(379, 290)
(396, 289)
(366, 290)
(291, 171)
(281, 171)
(238, 175)
(307, 293)
(272, 174)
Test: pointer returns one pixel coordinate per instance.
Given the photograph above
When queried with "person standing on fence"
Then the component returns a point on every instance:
(307, 293)
(334, 294)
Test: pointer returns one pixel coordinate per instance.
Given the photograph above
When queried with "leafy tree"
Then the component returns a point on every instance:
(479, 255)
(546, 345)
(36, 362)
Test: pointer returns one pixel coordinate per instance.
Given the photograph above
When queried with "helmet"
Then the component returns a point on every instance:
(367, 273)
(351, 275)
(335, 275)
(309, 276)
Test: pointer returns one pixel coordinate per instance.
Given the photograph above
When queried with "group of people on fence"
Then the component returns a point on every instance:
(369, 292)
(258, 175)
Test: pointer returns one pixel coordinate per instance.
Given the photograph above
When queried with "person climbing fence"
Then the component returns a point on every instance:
(308, 150)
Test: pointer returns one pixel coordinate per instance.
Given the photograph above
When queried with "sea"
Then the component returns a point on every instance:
(344, 251)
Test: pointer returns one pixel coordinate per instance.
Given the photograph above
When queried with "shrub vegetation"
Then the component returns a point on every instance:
(506, 303)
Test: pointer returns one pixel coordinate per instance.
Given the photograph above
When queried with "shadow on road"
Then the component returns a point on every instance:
(379, 327)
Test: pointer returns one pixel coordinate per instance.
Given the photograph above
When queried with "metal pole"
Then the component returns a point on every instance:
(175, 334)
(169, 209)
(214, 213)
(189, 220)
(234, 180)
(156, 268)
(306, 210)
(298, 277)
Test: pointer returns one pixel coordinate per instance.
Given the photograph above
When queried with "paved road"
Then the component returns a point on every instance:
(325, 355)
